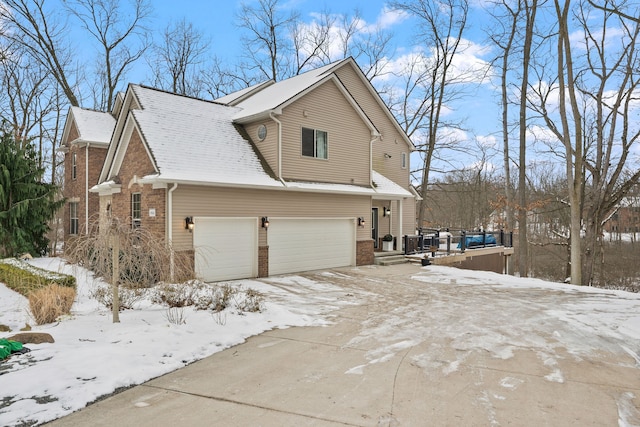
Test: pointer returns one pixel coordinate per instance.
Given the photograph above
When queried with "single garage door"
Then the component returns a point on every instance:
(310, 244)
(225, 248)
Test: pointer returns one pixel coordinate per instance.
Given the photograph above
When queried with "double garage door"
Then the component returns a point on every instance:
(227, 248)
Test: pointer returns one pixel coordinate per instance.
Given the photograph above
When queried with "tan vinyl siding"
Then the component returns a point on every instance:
(234, 202)
(269, 146)
(409, 216)
(326, 109)
(392, 142)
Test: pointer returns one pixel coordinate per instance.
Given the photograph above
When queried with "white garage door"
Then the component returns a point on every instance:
(225, 248)
(310, 244)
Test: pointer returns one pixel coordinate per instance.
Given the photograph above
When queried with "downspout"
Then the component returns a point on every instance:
(377, 136)
(86, 188)
(170, 229)
(279, 171)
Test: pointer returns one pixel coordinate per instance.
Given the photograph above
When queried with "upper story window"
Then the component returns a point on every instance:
(74, 166)
(404, 160)
(136, 210)
(73, 218)
(314, 143)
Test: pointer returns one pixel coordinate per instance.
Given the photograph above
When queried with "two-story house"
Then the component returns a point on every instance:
(302, 174)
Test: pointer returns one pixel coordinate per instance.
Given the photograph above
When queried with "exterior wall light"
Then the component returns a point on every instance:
(361, 221)
(265, 222)
(188, 224)
(386, 211)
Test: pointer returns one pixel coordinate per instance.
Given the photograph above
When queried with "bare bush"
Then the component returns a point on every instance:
(251, 301)
(51, 302)
(144, 259)
(215, 298)
(176, 294)
(127, 297)
(176, 315)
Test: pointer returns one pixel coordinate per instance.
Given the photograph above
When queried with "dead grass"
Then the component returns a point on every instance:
(51, 302)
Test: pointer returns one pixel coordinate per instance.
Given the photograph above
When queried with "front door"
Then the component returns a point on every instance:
(374, 227)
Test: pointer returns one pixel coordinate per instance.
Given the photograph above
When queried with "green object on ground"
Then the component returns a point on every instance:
(7, 347)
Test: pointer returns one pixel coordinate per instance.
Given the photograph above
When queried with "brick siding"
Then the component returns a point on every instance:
(137, 163)
(263, 261)
(75, 188)
(364, 252)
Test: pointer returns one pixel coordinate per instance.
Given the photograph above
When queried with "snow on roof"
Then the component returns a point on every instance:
(385, 187)
(93, 126)
(237, 95)
(194, 140)
(630, 202)
(278, 93)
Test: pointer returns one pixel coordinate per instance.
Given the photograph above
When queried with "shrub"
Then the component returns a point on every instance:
(175, 295)
(252, 301)
(51, 302)
(127, 297)
(215, 297)
(24, 278)
(387, 238)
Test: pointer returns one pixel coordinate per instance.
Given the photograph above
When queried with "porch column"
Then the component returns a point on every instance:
(400, 219)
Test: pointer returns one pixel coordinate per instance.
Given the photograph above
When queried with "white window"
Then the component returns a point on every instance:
(73, 218)
(314, 143)
(404, 160)
(136, 209)
(74, 166)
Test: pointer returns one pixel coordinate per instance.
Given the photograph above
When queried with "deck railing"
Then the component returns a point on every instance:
(446, 241)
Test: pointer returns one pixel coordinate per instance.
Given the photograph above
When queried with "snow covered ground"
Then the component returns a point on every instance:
(92, 356)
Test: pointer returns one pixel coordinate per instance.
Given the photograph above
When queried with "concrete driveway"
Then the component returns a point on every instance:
(417, 347)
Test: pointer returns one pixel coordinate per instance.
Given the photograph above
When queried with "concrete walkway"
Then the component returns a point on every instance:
(407, 353)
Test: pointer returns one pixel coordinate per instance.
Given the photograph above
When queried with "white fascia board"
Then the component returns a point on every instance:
(106, 188)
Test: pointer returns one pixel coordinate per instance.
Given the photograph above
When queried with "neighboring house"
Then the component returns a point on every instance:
(625, 219)
(302, 174)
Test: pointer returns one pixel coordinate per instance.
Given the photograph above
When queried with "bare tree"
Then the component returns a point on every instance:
(39, 31)
(442, 25)
(177, 59)
(530, 10)
(596, 92)
(609, 86)
(122, 37)
(219, 80)
(611, 7)
(267, 44)
(507, 18)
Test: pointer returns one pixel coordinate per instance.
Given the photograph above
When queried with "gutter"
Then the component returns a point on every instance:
(86, 188)
(279, 172)
(376, 137)
(170, 214)
(170, 229)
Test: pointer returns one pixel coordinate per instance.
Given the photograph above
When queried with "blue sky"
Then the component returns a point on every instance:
(217, 19)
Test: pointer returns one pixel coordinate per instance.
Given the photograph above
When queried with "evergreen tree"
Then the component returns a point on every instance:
(27, 203)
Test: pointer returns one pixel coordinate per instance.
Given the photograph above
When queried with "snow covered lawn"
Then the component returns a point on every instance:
(468, 311)
(92, 356)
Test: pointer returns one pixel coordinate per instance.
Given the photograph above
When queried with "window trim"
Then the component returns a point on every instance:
(315, 143)
(403, 162)
(74, 221)
(136, 221)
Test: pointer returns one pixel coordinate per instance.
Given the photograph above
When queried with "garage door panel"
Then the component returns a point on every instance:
(225, 248)
(310, 244)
